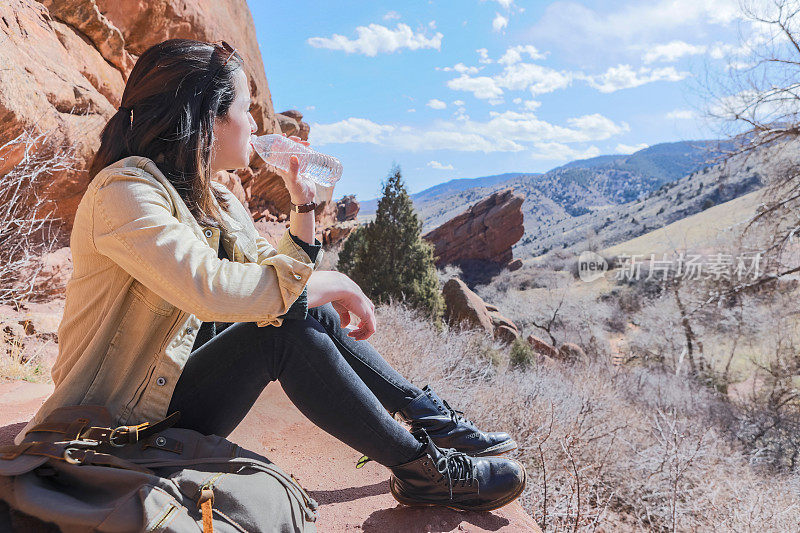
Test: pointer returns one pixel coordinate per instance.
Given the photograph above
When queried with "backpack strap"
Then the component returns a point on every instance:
(204, 502)
(117, 437)
(69, 452)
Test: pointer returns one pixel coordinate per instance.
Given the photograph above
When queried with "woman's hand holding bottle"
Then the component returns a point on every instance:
(301, 189)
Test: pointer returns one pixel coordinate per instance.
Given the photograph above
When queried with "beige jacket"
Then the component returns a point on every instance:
(145, 275)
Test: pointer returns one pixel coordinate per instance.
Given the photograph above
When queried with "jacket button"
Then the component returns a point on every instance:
(297, 276)
(161, 381)
(189, 331)
(209, 233)
(161, 441)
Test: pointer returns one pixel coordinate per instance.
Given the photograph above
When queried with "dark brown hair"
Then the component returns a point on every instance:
(175, 90)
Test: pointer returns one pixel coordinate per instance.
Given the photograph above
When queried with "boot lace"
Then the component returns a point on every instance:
(457, 466)
(456, 415)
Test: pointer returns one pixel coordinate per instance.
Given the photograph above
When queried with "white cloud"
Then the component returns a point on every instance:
(484, 55)
(461, 68)
(624, 77)
(391, 15)
(481, 87)
(432, 24)
(629, 148)
(412, 110)
(536, 78)
(353, 129)
(596, 126)
(514, 54)
(754, 106)
(451, 139)
(531, 105)
(562, 152)
(527, 127)
(515, 77)
(374, 39)
(458, 102)
(433, 103)
(505, 3)
(672, 51)
(310, 108)
(439, 166)
(593, 34)
(680, 114)
(508, 131)
(499, 22)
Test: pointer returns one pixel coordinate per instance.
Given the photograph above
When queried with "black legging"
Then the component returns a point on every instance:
(342, 385)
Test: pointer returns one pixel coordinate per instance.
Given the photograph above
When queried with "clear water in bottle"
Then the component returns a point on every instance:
(276, 150)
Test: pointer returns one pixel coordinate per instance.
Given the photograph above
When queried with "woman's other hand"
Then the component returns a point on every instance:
(346, 297)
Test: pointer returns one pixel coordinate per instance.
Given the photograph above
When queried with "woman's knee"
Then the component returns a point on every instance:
(306, 335)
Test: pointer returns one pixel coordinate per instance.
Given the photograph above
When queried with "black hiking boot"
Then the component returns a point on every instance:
(449, 428)
(456, 480)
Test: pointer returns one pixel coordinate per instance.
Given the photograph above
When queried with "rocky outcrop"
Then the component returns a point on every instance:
(542, 347)
(291, 122)
(50, 273)
(570, 353)
(484, 232)
(462, 305)
(347, 208)
(66, 64)
(338, 232)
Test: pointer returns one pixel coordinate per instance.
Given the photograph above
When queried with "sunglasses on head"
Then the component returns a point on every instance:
(231, 51)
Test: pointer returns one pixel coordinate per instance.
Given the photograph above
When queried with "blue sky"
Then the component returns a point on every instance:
(470, 88)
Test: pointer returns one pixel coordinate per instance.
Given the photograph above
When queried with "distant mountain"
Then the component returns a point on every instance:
(580, 185)
(674, 200)
(603, 200)
(368, 207)
(571, 190)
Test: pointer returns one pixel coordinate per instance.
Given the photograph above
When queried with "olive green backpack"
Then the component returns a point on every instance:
(75, 471)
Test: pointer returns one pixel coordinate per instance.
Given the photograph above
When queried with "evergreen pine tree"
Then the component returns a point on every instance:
(388, 258)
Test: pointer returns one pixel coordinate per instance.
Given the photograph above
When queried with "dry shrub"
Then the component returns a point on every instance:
(15, 363)
(623, 448)
(26, 226)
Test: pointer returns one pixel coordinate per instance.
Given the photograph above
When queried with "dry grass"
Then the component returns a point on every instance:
(16, 364)
(622, 448)
(702, 229)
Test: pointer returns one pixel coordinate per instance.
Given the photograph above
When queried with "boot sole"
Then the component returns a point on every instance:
(497, 449)
(491, 506)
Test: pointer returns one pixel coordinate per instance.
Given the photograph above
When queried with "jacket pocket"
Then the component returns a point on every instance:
(153, 301)
(128, 356)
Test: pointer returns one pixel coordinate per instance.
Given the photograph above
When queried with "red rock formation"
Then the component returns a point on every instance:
(570, 352)
(486, 231)
(68, 61)
(541, 347)
(291, 122)
(338, 232)
(463, 305)
(347, 208)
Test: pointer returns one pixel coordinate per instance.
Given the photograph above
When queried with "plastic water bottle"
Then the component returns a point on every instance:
(276, 150)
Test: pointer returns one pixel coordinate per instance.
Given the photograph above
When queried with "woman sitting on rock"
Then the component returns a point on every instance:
(176, 303)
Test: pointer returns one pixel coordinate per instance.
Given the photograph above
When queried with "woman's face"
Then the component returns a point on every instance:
(231, 148)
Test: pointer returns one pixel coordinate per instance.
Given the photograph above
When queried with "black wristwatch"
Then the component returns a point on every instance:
(303, 208)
